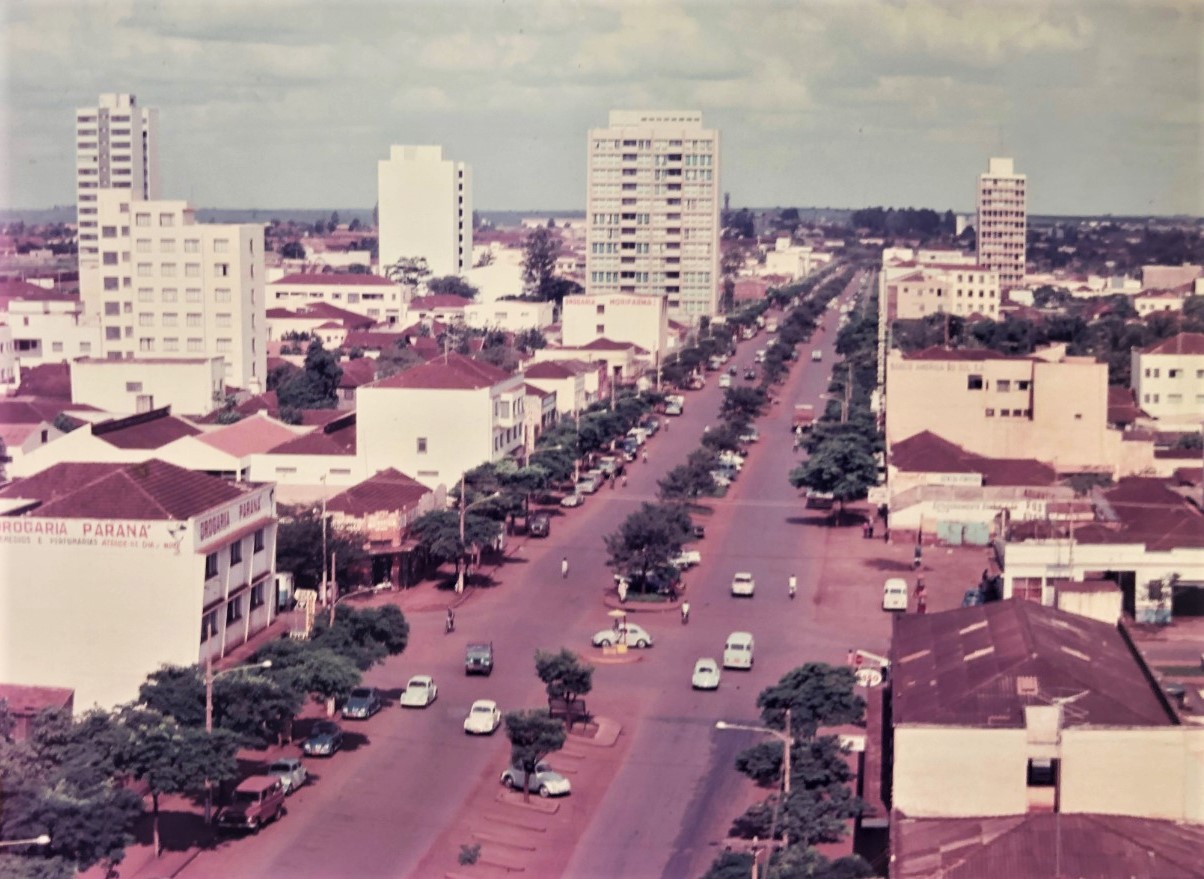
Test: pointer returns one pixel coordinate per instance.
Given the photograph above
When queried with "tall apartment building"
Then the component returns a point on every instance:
(425, 209)
(116, 146)
(1002, 221)
(170, 287)
(653, 210)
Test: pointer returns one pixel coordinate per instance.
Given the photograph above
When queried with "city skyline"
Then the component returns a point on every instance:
(291, 104)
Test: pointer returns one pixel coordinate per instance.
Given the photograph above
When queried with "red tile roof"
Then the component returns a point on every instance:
(357, 372)
(386, 492)
(322, 311)
(605, 344)
(1122, 406)
(337, 437)
(1045, 845)
(332, 279)
(438, 301)
(256, 433)
(532, 391)
(549, 369)
(150, 489)
(27, 701)
(22, 412)
(378, 340)
(1180, 343)
(446, 372)
(966, 667)
(146, 430)
(926, 452)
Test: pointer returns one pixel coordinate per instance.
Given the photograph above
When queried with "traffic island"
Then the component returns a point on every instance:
(535, 804)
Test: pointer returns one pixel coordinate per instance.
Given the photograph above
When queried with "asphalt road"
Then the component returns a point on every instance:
(375, 807)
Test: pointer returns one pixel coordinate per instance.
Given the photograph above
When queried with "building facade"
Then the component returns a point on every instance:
(1168, 379)
(194, 386)
(425, 209)
(653, 210)
(157, 565)
(116, 146)
(1002, 221)
(169, 287)
(640, 320)
(369, 295)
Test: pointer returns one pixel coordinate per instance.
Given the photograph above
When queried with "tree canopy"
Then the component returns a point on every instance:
(533, 735)
(817, 694)
(647, 539)
(564, 674)
(317, 385)
(540, 252)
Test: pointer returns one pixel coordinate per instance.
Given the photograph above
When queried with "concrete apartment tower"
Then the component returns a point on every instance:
(171, 288)
(425, 209)
(1002, 221)
(653, 210)
(116, 147)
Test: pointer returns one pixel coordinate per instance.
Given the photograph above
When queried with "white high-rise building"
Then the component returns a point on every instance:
(1002, 221)
(169, 287)
(424, 204)
(653, 210)
(117, 147)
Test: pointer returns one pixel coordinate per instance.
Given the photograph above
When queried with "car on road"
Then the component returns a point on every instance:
(750, 374)
(572, 500)
(725, 381)
(419, 692)
(544, 780)
(325, 738)
(706, 675)
(750, 435)
(256, 801)
(738, 650)
(478, 659)
(743, 584)
(699, 531)
(587, 485)
(817, 354)
(484, 717)
(629, 634)
(540, 525)
(290, 771)
(362, 703)
(894, 594)
(731, 370)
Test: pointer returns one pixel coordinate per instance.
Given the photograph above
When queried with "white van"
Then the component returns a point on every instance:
(738, 651)
(894, 594)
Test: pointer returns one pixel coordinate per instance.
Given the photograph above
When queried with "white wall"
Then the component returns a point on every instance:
(425, 209)
(191, 387)
(58, 330)
(640, 320)
(509, 315)
(944, 772)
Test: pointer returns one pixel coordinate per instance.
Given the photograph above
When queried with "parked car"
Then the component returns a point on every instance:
(650, 424)
(539, 525)
(484, 717)
(586, 485)
(362, 703)
(738, 650)
(743, 584)
(817, 354)
(290, 771)
(419, 692)
(256, 801)
(750, 374)
(706, 675)
(894, 594)
(731, 370)
(687, 558)
(750, 435)
(545, 780)
(629, 634)
(478, 659)
(725, 381)
(572, 500)
(325, 738)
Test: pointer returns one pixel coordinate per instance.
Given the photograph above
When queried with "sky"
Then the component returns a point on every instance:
(827, 103)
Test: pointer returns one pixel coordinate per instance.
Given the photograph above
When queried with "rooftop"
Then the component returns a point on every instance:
(386, 492)
(150, 489)
(321, 311)
(255, 433)
(438, 300)
(146, 430)
(332, 279)
(926, 452)
(46, 380)
(446, 372)
(980, 666)
(336, 437)
(1045, 845)
(1180, 343)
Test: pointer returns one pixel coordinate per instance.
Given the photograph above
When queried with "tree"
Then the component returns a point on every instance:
(564, 674)
(439, 532)
(540, 252)
(842, 466)
(533, 735)
(452, 285)
(409, 270)
(62, 422)
(686, 482)
(556, 462)
(293, 250)
(647, 539)
(742, 405)
(173, 759)
(814, 763)
(299, 547)
(526, 481)
(364, 636)
(817, 694)
(530, 340)
(334, 221)
(317, 385)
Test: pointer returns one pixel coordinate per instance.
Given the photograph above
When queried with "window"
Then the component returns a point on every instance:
(196, 346)
(221, 294)
(110, 258)
(146, 319)
(208, 626)
(236, 552)
(211, 565)
(1003, 385)
(260, 540)
(224, 346)
(144, 270)
(257, 596)
(974, 383)
(167, 220)
(111, 284)
(234, 611)
(1173, 373)
(1023, 385)
(167, 245)
(600, 329)
(170, 318)
(133, 387)
(422, 445)
(142, 219)
(171, 344)
(192, 320)
(56, 347)
(169, 294)
(192, 245)
(221, 269)
(168, 270)
(224, 319)
(112, 309)
(990, 413)
(221, 245)
(192, 294)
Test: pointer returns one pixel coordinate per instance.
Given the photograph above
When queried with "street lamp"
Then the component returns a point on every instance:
(210, 677)
(786, 739)
(44, 839)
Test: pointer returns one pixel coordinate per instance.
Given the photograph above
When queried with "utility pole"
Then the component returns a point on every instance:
(463, 555)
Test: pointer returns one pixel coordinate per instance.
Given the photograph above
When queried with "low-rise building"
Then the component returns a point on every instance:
(539, 414)
(1168, 378)
(372, 296)
(192, 385)
(441, 306)
(304, 320)
(440, 419)
(46, 326)
(509, 315)
(157, 565)
(641, 320)
(1158, 301)
(313, 465)
(567, 379)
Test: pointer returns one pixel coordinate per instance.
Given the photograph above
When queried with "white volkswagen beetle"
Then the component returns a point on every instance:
(419, 692)
(484, 717)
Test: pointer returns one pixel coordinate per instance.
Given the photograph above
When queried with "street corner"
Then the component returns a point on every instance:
(603, 732)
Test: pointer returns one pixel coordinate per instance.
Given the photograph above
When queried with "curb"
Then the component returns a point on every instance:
(608, 733)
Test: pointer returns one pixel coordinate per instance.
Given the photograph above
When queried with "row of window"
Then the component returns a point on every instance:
(698, 145)
(1156, 372)
(235, 550)
(171, 345)
(170, 294)
(1013, 413)
(1170, 398)
(975, 382)
(234, 611)
(171, 319)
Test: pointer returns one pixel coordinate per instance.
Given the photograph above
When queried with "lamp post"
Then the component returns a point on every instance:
(786, 738)
(210, 677)
(44, 839)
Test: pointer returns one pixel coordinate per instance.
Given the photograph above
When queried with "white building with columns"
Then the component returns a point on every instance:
(425, 209)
